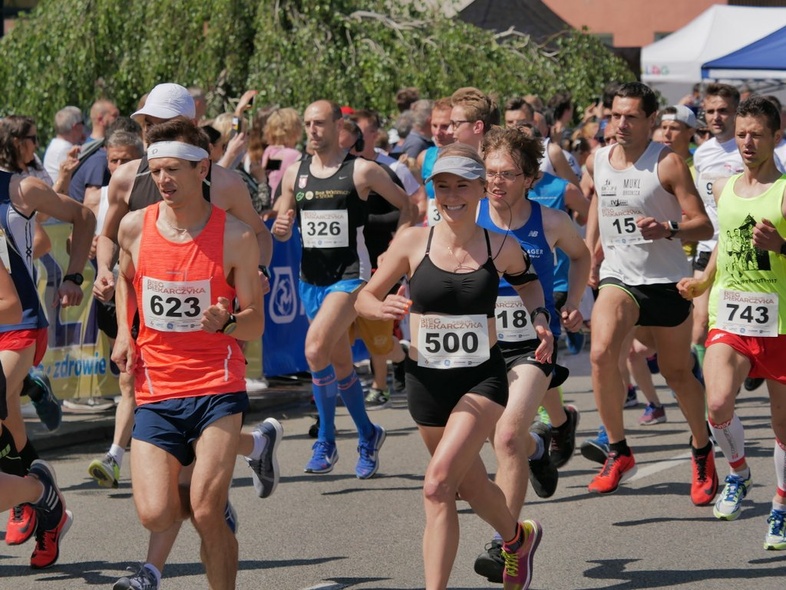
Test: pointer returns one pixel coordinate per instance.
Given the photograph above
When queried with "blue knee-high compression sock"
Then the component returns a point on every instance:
(352, 393)
(323, 385)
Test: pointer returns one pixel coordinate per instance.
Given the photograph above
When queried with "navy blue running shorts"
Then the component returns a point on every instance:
(175, 424)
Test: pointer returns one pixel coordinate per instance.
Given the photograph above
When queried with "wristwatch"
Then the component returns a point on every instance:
(75, 278)
(230, 326)
(674, 227)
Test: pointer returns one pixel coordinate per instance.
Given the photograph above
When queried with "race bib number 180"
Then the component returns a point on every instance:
(174, 306)
(449, 341)
(748, 314)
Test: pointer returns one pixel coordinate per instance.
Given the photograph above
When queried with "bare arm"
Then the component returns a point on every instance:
(285, 205)
(569, 241)
(561, 166)
(576, 202)
(370, 176)
(124, 351)
(676, 178)
(118, 196)
(35, 195)
(240, 254)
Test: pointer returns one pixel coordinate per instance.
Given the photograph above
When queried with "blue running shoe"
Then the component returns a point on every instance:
(324, 457)
(368, 451)
(730, 502)
(596, 449)
(38, 388)
(575, 342)
(230, 515)
(264, 470)
(776, 531)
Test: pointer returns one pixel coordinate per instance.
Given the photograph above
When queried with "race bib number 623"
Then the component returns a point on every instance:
(174, 306)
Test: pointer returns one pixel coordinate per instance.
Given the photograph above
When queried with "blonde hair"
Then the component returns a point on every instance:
(283, 127)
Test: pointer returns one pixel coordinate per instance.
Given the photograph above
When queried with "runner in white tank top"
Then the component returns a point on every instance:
(645, 197)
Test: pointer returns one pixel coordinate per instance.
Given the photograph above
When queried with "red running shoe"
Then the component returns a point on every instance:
(704, 483)
(616, 469)
(517, 574)
(21, 524)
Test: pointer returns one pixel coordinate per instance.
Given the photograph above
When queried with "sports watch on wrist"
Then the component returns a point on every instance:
(75, 278)
(674, 227)
(230, 326)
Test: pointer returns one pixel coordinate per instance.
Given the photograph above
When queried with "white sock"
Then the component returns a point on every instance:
(780, 466)
(260, 442)
(117, 452)
(779, 506)
(540, 448)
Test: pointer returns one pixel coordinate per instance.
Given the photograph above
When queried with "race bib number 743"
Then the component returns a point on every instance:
(748, 314)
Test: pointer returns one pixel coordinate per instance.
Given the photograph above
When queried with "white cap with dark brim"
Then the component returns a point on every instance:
(458, 166)
(683, 115)
(167, 101)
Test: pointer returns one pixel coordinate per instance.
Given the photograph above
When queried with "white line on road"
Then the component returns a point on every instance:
(326, 587)
(660, 466)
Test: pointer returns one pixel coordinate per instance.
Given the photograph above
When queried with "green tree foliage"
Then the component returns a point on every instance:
(293, 51)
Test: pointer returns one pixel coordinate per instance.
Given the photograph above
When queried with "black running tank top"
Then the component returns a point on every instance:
(434, 290)
(331, 216)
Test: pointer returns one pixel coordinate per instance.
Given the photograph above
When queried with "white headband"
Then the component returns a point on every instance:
(176, 149)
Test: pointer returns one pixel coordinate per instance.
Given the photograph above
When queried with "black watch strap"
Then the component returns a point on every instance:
(75, 278)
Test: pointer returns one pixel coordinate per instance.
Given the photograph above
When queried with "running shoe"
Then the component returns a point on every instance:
(53, 520)
(22, 522)
(653, 415)
(490, 563)
(775, 539)
(752, 383)
(617, 469)
(324, 457)
(39, 390)
(368, 453)
(632, 400)
(105, 471)
(376, 399)
(47, 543)
(704, 482)
(596, 449)
(264, 471)
(730, 502)
(230, 516)
(399, 377)
(575, 342)
(517, 574)
(543, 475)
(563, 439)
(143, 579)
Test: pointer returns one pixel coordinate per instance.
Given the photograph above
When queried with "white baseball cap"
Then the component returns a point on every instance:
(167, 101)
(683, 115)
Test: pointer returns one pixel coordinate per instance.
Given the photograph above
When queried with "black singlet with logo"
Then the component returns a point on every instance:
(331, 216)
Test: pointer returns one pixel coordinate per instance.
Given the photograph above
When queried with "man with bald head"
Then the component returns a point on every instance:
(328, 193)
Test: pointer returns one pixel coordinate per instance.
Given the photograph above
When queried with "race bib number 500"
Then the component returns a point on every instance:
(174, 306)
(446, 342)
(748, 314)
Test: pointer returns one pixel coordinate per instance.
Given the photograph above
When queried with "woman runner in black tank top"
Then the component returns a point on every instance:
(456, 377)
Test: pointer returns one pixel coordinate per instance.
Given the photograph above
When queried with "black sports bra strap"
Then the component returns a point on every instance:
(428, 244)
(488, 241)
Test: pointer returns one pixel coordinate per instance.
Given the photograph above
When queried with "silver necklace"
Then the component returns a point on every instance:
(184, 230)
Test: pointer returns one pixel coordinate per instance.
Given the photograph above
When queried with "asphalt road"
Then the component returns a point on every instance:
(334, 531)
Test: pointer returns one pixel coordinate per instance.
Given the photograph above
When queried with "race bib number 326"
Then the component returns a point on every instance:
(446, 342)
(748, 314)
(325, 229)
(174, 306)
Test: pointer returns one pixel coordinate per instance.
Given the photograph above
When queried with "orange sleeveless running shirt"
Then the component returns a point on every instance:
(174, 284)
